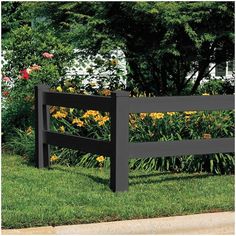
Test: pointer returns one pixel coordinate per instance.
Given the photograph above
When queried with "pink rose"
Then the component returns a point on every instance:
(6, 79)
(48, 55)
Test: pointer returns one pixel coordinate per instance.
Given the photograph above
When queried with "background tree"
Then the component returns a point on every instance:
(163, 41)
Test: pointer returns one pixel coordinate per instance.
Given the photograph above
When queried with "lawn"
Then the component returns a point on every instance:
(73, 195)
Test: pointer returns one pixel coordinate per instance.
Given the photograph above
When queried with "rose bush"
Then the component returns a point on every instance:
(31, 57)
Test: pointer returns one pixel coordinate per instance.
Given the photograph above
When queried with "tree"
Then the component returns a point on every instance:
(163, 41)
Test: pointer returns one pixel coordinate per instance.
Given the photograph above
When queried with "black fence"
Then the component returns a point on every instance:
(119, 149)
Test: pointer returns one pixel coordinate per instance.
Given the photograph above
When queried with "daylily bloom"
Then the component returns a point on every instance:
(207, 136)
(59, 89)
(100, 159)
(72, 90)
(62, 129)
(54, 158)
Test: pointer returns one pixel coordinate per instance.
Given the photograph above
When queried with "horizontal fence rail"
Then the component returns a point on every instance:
(181, 103)
(77, 101)
(119, 149)
(181, 147)
(79, 143)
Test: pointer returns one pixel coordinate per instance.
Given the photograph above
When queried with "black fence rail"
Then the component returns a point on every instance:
(119, 149)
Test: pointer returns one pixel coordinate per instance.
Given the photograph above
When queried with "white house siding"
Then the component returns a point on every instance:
(223, 71)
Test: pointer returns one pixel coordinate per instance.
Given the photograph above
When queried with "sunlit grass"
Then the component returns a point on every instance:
(71, 195)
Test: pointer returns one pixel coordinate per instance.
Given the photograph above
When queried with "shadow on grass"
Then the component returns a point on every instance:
(95, 178)
(169, 178)
(142, 179)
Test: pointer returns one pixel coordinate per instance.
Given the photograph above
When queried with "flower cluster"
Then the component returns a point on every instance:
(156, 115)
(91, 113)
(60, 114)
(78, 122)
(25, 73)
(96, 116)
(188, 113)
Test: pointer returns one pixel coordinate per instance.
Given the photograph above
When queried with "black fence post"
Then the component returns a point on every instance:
(119, 169)
(42, 122)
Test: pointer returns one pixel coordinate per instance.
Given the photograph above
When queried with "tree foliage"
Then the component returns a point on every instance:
(163, 41)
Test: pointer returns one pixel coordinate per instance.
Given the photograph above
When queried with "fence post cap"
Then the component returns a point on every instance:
(120, 93)
(42, 87)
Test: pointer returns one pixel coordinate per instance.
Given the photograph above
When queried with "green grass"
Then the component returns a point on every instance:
(72, 195)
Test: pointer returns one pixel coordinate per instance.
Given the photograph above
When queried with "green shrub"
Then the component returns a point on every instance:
(23, 143)
(217, 86)
(16, 115)
(32, 57)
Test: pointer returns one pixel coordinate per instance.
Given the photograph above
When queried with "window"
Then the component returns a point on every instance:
(230, 66)
(221, 69)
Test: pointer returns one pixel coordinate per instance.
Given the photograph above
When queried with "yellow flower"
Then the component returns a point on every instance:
(54, 157)
(106, 92)
(71, 110)
(101, 119)
(190, 112)
(101, 123)
(114, 62)
(143, 115)
(170, 113)
(207, 136)
(59, 115)
(98, 118)
(86, 115)
(59, 89)
(205, 94)
(187, 117)
(106, 118)
(90, 113)
(100, 159)
(132, 122)
(63, 109)
(156, 115)
(62, 129)
(78, 122)
(71, 90)
(74, 121)
(29, 130)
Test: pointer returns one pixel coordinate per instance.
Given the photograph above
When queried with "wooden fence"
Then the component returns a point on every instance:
(119, 149)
